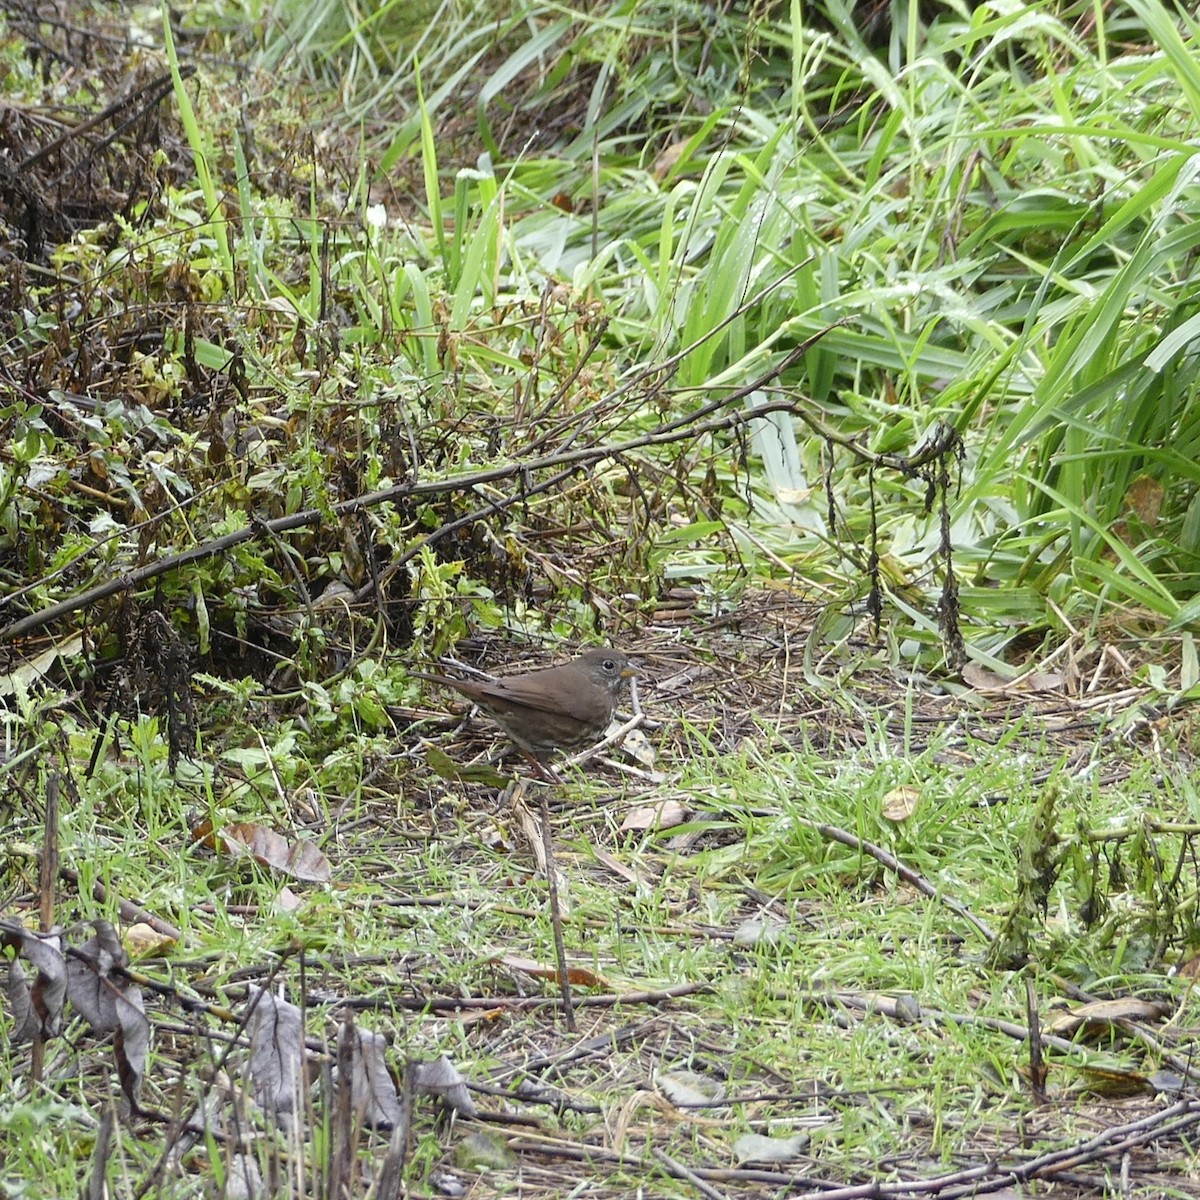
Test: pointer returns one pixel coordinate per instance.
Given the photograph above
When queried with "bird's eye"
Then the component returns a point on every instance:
(610, 664)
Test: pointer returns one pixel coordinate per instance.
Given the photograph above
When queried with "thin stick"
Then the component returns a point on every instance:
(1037, 1065)
(680, 429)
(560, 948)
(908, 874)
(683, 1171)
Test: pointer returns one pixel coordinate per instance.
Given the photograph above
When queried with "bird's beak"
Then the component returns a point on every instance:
(629, 671)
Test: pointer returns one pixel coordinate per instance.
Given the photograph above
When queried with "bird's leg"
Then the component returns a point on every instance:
(545, 773)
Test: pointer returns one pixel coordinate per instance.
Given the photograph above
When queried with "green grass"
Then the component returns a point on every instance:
(1008, 253)
(585, 228)
(432, 884)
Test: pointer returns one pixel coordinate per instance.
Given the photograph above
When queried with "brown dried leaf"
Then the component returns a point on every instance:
(900, 803)
(983, 679)
(34, 669)
(637, 745)
(299, 860)
(110, 1001)
(142, 939)
(1144, 498)
(615, 865)
(1190, 969)
(243, 1179)
(88, 969)
(1045, 681)
(666, 159)
(578, 975)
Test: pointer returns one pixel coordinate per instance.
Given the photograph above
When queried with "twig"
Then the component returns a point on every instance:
(889, 1006)
(978, 1180)
(453, 1004)
(892, 863)
(128, 910)
(681, 429)
(663, 367)
(313, 516)
(867, 1002)
(156, 89)
(610, 739)
(560, 948)
(1037, 1065)
(708, 932)
(602, 1044)
(682, 1171)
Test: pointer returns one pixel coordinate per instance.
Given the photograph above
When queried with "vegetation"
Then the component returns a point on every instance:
(839, 360)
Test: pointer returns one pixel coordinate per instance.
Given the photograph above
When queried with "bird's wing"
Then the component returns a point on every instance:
(529, 694)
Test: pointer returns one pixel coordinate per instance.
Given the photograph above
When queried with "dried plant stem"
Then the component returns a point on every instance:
(560, 949)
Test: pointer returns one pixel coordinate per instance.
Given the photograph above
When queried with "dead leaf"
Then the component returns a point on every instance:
(755, 1147)
(578, 975)
(372, 1089)
(983, 679)
(667, 158)
(300, 860)
(687, 1088)
(1045, 681)
(443, 1079)
(142, 940)
(37, 1007)
(1144, 498)
(1189, 969)
(102, 992)
(1101, 1015)
(243, 1179)
(615, 865)
(666, 814)
(276, 1035)
(336, 595)
(637, 745)
(900, 803)
(203, 833)
(287, 901)
(1163, 1080)
(36, 668)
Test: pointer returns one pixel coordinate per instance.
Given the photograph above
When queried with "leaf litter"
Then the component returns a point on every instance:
(600, 1107)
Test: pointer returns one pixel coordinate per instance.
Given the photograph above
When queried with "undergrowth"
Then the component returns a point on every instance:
(842, 368)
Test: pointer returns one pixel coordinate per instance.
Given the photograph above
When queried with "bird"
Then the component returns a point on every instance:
(563, 708)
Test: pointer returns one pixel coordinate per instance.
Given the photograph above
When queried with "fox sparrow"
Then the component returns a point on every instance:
(557, 708)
